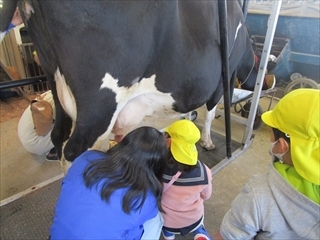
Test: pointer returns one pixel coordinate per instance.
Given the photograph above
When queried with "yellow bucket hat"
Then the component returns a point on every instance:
(184, 134)
(298, 114)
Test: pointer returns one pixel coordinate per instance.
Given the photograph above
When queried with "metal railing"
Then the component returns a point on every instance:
(35, 76)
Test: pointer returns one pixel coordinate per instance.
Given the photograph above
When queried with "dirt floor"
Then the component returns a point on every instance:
(13, 107)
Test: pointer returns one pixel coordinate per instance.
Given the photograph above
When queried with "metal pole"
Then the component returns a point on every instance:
(22, 82)
(224, 48)
(247, 139)
(272, 24)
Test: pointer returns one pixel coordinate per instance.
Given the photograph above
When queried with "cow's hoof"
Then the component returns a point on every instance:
(207, 146)
(65, 165)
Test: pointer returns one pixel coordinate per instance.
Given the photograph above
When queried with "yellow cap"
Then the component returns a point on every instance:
(184, 135)
(297, 114)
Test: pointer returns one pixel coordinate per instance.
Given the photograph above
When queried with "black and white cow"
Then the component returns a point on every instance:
(110, 63)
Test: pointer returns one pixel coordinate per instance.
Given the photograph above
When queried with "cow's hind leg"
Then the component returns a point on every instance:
(62, 127)
(206, 140)
(93, 120)
(61, 130)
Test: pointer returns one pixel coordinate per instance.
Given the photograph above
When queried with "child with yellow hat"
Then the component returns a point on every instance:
(284, 204)
(187, 183)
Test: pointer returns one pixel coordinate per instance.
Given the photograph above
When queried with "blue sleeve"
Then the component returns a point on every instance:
(10, 27)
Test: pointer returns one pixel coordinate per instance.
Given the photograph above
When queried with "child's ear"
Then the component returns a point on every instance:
(284, 146)
(168, 142)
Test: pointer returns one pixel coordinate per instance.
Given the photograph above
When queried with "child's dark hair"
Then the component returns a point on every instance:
(136, 163)
(172, 163)
(278, 134)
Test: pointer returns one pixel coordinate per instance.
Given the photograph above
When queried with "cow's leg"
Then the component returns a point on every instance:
(206, 141)
(95, 117)
(62, 126)
(61, 130)
(60, 134)
(62, 123)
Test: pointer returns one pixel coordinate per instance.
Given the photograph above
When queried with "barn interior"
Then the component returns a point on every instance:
(30, 185)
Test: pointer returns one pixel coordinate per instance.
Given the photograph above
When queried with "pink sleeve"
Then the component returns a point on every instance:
(206, 193)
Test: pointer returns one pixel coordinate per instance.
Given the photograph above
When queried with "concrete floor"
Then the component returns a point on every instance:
(22, 172)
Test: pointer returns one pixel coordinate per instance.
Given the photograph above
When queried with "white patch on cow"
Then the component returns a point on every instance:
(65, 95)
(123, 94)
(141, 99)
(235, 37)
(237, 30)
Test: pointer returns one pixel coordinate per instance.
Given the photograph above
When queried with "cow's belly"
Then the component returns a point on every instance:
(140, 104)
(134, 104)
(151, 105)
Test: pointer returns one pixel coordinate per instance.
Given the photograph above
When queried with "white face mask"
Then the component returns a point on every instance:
(277, 155)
